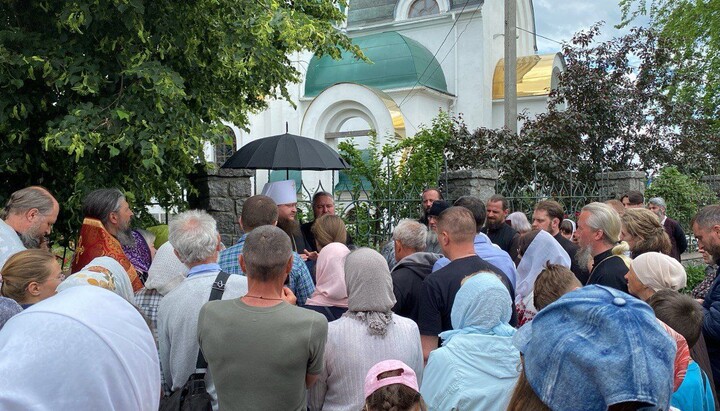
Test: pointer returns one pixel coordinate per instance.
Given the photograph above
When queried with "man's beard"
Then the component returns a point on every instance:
(494, 225)
(291, 227)
(584, 256)
(33, 238)
(125, 237)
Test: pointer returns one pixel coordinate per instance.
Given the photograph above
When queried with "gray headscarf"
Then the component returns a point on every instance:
(8, 308)
(370, 290)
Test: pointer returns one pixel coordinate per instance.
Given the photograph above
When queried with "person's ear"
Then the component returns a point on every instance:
(33, 288)
(218, 247)
(31, 214)
(275, 223)
(113, 218)
(289, 265)
(241, 260)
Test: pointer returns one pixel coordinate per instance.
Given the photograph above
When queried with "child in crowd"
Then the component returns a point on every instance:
(552, 283)
(392, 385)
(685, 315)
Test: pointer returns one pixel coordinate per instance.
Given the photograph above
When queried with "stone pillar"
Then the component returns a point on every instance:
(614, 184)
(474, 182)
(713, 182)
(222, 192)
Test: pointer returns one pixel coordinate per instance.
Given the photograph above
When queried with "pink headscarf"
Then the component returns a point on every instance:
(330, 290)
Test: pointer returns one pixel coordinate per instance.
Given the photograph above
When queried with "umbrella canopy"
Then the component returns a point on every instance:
(286, 152)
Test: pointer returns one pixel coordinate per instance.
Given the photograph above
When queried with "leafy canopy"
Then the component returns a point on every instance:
(126, 93)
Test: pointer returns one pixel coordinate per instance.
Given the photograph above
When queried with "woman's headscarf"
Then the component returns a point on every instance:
(139, 252)
(166, 271)
(8, 308)
(83, 349)
(544, 249)
(370, 290)
(330, 290)
(482, 306)
(87, 277)
(659, 271)
(109, 266)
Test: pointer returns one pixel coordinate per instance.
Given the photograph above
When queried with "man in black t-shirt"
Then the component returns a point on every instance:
(456, 232)
(500, 233)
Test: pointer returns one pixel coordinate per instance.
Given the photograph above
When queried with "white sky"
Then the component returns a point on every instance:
(561, 19)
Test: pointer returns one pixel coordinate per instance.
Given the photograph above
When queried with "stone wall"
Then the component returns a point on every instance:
(474, 182)
(222, 193)
(614, 184)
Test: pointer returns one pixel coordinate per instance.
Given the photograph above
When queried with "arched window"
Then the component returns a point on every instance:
(421, 8)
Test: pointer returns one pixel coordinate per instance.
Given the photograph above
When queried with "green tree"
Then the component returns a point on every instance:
(692, 29)
(395, 172)
(683, 194)
(125, 93)
(609, 112)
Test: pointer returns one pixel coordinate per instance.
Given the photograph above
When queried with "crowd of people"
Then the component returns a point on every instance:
(469, 307)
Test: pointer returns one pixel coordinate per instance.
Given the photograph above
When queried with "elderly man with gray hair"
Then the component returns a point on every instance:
(598, 230)
(194, 236)
(678, 241)
(413, 266)
(26, 221)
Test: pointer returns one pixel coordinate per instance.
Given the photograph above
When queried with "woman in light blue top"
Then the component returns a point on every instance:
(477, 366)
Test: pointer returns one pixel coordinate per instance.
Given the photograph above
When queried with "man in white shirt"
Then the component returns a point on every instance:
(194, 236)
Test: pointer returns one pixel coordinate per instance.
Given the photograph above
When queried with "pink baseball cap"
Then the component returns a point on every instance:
(407, 376)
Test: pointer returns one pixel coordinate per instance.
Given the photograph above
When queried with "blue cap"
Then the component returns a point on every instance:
(595, 347)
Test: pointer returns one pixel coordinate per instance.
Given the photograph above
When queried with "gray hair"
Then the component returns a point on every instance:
(266, 252)
(707, 217)
(27, 199)
(605, 218)
(658, 201)
(194, 236)
(519, 222)
(101, 202)
(411, 234)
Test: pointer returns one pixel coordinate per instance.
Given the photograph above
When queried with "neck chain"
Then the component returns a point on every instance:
(261, 297)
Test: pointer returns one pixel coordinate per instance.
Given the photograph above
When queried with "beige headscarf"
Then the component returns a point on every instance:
(659, 271)
(370, 290)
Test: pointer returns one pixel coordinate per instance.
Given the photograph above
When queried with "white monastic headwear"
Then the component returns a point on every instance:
(282, 192)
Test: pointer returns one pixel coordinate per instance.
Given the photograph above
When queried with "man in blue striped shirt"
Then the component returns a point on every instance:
(258, 211)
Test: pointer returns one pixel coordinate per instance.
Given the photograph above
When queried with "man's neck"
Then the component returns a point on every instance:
(458, 251)
(15, 222)
(599, 248)
(263, 294)
(210, 260)
(554, 233)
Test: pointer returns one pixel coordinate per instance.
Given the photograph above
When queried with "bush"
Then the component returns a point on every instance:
(683, 194)
(695, 275)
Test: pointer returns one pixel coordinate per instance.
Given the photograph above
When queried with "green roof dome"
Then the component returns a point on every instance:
(397, 62)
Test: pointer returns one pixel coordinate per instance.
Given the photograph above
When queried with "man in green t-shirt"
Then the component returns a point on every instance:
(262, 351)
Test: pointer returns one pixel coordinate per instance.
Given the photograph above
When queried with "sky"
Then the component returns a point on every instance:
(561, 19)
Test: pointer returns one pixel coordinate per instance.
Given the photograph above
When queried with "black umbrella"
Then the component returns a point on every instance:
(286, 152)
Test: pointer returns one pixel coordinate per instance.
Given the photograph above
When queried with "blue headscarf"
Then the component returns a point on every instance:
(482, 306)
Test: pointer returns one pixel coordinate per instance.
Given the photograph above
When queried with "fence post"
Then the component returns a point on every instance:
(474, 182)
(222, 192)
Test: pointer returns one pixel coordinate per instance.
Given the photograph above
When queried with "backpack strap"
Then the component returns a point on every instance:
(218, 288)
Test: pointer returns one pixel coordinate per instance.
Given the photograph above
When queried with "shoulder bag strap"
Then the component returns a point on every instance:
(218, 288)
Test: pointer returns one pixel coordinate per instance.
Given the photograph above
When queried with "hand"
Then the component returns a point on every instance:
(289, 296)
(303, 256)
(309, 255)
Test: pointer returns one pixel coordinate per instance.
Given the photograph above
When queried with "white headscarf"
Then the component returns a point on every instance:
(543, 249)
(166, 271)
(83, 349)
(659, 271)
(123, 287)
